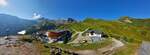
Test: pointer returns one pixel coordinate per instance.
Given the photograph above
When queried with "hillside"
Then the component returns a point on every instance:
(132, 33)
(137, 30)
(11, 24)
(135, 21)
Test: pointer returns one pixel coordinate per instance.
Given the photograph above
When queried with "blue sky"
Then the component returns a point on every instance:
(78, 9)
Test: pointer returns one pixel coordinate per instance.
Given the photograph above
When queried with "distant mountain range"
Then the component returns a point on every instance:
(10, 25)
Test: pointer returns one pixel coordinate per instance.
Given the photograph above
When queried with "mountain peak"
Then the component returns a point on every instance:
(13, 23)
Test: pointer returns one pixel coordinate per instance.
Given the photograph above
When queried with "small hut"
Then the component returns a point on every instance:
(94, 36)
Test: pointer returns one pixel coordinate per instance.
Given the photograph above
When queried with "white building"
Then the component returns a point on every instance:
(95, 36)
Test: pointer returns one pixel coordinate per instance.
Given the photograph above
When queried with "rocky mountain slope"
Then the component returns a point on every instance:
(10, 25)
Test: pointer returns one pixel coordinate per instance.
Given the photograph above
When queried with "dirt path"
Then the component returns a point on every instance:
(79, 37)
(108, 50)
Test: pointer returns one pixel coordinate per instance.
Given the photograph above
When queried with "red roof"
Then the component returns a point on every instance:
(54, 35)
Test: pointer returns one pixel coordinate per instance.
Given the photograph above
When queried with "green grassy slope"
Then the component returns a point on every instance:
(132, 34)
(117, 29)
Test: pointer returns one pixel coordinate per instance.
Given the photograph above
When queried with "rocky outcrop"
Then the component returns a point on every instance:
(12, 46)
(144, 49)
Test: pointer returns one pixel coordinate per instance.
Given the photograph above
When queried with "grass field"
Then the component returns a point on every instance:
(84, 46)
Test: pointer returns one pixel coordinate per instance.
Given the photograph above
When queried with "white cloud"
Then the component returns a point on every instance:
(36, 16)
(3, 2)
